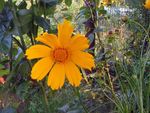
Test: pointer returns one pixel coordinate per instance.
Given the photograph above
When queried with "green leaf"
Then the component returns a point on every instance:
(25, 17)
(5, 42)
(83, 12)
(4, 72)
(48, 3)
(68, 16)
(101, 10)
(1, 66)
(68, 2)
(18, 57)
(23, 90)
(25, 28)
(42, 22)
(2, 3)
(24, 12)
(110, 39)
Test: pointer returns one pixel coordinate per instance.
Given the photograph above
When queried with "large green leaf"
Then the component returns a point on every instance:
(23, 22)
(24, 16)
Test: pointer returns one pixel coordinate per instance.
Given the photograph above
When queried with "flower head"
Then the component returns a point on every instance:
(60, 57)
(147, 4)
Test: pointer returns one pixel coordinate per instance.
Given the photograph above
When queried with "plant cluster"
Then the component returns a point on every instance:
(74, 56)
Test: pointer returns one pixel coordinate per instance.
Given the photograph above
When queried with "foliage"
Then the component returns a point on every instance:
(119, 40)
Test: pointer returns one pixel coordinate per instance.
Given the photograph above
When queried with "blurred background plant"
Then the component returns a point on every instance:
(119, 33)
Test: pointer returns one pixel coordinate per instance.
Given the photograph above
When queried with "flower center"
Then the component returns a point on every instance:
(60, 55)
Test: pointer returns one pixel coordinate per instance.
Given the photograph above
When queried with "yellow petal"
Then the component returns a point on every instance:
(38, 51)
(56, 76)
(83, 59)
(65, 30)
(73, 74)
(147, 4)
(41, 68)
(48, 39)
(79, 42)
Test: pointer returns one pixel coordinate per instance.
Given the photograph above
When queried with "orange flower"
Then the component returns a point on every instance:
(60, 57)
(147, 4)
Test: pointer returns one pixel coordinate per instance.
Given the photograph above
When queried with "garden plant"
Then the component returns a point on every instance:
(74, 56)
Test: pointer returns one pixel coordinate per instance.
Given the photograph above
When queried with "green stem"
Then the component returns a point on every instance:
(142, 68)
(10, 57)
(141, 93)
(19, 30)
(45, 98)
(76, 90)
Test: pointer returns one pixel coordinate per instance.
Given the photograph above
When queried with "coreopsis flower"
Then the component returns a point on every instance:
(60, 57)
(147, 4)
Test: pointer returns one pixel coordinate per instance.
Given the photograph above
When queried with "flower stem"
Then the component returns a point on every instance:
(45, 98)
(76, 90)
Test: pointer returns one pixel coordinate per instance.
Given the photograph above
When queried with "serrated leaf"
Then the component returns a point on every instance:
(68, 2)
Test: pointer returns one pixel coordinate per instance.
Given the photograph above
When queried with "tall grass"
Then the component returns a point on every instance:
(133, 79)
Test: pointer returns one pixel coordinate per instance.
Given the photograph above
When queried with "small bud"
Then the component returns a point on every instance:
(124, 18)
(117, 31)
(2, 81)
(110, 32)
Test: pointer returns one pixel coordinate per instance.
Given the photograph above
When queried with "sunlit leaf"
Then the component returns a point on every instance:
(4, 72)
(68, 2)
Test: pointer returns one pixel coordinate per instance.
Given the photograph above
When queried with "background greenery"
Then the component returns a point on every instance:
(119, 39)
